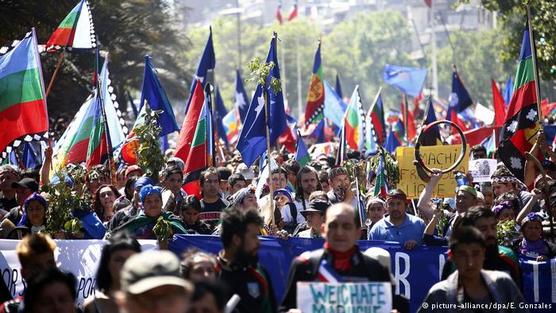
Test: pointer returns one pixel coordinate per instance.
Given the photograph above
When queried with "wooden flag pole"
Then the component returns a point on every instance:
(53, 78)
(534, 61)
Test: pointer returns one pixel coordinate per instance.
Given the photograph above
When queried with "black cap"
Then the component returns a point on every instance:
(28, 183)
(318, 206)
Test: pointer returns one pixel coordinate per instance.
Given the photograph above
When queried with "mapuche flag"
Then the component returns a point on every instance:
(522, 118)
(315, 96)
(76, 31)
(23, 113)
(354, 122)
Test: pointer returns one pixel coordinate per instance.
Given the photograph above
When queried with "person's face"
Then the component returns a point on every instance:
(532, 231)
(309, 183)
(163, 299)
(40, 263)
(396, 208)
(281, 200)
(206, 304)
(279, 181)
(325, 186)
(489, 198)
(174, 182)
(292, 177)
(55, 297)
(506, 215)
(251, 241)
(137, 173)
(36, 213)
(339, 229)
(500, 188)
(190, 216)
(487, 226)
(21, 194)
(107, 197)
(250, 201)
(314, 220)
(152, 205)
(6, 180)
(464, 200)
(340, 185)
(116, 262)
(376, 212)
(224, 186)
(469, 259)
(479, 154)
(237, 186)
(202, 270)
(211, 186)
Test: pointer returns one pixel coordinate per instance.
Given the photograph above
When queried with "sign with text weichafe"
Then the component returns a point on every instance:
(440, 157)
(364, 297)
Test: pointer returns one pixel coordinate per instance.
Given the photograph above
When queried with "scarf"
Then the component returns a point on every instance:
(533, 248)
(342, 260)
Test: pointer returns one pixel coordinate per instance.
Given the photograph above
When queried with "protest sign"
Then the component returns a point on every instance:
(368, 297)
(482, 169)
(80, 257)
(440, 157)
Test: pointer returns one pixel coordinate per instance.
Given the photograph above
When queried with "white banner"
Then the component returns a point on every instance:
(482, 169)
(80, 257)
(373, 297)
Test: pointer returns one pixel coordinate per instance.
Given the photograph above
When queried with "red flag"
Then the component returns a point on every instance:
(475, 136)
(409, 120)
(288, 140)
(293, 13)
(499, 106)
(428, 3)
(279, 13)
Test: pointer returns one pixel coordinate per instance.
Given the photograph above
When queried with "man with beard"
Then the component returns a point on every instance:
(238, 263)
(398, 225)
(340, 257)
(341, 188)
(497, 258)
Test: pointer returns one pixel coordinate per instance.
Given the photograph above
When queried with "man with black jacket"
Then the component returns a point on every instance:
(238, 266)
(340, 254)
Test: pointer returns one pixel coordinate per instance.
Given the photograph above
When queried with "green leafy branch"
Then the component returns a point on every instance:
(149, 155)
(259, 72)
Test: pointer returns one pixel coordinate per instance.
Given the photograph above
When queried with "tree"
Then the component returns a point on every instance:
(513, 18)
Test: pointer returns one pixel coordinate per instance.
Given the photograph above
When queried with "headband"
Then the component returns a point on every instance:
(148, 190)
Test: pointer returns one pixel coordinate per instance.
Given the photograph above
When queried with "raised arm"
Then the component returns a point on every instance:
(424, 203)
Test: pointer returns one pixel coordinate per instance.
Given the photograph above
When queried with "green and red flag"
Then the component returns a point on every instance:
(522, 117)
(97, 149)
(354, 120)
(76, 30)
(23, 113)
(315, 96)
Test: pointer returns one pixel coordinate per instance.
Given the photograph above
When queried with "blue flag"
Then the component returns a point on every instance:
(240, 97)
(30, 159)
(155, 95)
(339, 87)
(318, 132)
(508, 92)
(334, 106)
(252, 140)
(408, 80)
(392, 140)
(459, 98)
(301, 154)
(433, 135)
(206, 63)
(219, 114)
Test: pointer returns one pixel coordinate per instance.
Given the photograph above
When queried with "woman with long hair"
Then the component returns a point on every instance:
(114, 254)
(103, 205)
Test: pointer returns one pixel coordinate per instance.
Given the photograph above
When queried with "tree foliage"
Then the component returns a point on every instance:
(127, 29)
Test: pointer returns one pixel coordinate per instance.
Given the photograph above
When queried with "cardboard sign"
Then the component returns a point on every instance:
(371, 297)
(482, 169)
(440, 157)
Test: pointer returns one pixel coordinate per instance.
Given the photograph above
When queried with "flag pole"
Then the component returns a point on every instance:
(103, 110)
(53, 78)
(404, 114)
(268, 150)
(208, 96)
(534, 61)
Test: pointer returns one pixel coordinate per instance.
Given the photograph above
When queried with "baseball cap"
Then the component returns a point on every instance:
(151, 269)
(28, 183)
(133, 168)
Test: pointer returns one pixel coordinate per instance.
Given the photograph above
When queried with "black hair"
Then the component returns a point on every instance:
(234, 222)
(466, 235)
(224, 173)
(190, 201)
(298, 188)
(209, 171)
(44, 280)
(218, 291)
(323, 176)
(279, 170)
(119, 241)
(292, 166)
(170, 170)
(336, 171)
(128, 189)
(475, 213)
(234, 178)
(477, 148)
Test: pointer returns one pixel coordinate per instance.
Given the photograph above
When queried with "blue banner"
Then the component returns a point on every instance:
(415, 271)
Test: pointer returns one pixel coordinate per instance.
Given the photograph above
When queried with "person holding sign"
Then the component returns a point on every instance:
(471, 288)
(339, 261)
(398, 225)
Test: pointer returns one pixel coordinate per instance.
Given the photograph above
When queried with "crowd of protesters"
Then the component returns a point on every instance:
(492, 223)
